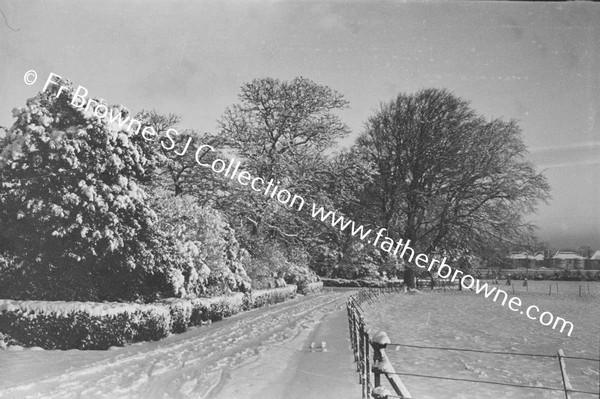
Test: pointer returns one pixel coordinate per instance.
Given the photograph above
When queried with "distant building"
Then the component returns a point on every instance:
(568, 260)
(540, 261)
(521, 259)
(593, 263)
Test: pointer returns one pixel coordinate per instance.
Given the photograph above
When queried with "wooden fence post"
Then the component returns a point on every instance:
(357, 341)
(377, 358)
(364, 354)
(361, 363)
(349, 320)
(354, 337)
(382, 365)
(563, 372)
(362, 343)
(367, 364)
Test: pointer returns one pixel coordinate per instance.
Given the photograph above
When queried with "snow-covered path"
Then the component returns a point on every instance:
(190, 365)
(294, 371)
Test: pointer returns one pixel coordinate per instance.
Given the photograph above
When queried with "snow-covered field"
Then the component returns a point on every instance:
(567, 289)
(188, 365)
(466, 320)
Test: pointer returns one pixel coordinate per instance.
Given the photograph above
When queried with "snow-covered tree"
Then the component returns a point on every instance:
(204, 234)
(71, 205)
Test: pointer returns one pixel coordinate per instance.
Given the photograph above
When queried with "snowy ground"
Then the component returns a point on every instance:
(196, 364)
(466, 320)
(294, 371)
(264, 353)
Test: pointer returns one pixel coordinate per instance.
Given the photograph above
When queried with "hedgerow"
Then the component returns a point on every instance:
(93, 325)
(310, 288)
(261, 298)
(82, 325)
(340, 282)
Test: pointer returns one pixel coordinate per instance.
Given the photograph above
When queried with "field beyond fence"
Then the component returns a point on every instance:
(571, 289)
(425, 378)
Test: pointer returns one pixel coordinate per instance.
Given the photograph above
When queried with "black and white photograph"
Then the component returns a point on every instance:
(299, 199)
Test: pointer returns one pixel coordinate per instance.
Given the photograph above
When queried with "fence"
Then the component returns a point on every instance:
(566, 289)
(361, 345)
(370, 371)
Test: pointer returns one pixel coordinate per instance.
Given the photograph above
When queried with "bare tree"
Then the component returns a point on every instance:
(277, 121)
(179, 171)
(282, 130)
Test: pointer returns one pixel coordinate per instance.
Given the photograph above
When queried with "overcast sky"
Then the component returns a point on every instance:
(537, 63)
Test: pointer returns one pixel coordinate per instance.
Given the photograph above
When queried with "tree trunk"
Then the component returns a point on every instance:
(409, 277)
(432, 280)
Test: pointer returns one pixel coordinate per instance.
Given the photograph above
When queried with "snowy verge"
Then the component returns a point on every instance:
(88, 325)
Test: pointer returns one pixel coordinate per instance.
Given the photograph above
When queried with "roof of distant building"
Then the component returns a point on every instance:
(520, 255)
(567, 255)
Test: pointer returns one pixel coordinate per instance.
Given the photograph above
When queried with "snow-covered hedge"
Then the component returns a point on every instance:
(92, 325)
(340, 282)
(261, 298)
(82, 325)
(311, 288)
(194, 312)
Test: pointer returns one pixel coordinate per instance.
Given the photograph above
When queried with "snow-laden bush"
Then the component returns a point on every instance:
(301, 277)
(296, 271)
(324, 259)
(72, 207)
(207, 239)
(274, 266)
